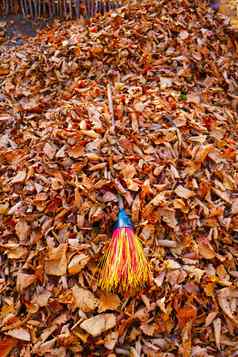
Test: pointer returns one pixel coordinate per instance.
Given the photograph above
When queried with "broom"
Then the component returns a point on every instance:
(124, 266)
(66, 9)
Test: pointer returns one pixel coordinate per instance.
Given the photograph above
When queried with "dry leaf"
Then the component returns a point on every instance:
(172, 264)
(84, 299)
(217, 332)
(24, 280)
(210, 317)
(98, 324)
(4, 208)
(20, 334)
(234, 207)
(22, 230)
(186, 347)
(183, 192)
(165, 82)
(50, 150)
(171, 154)
(205, 249)
(167, 243)
(14, 251)
(224, 296)
(19, 178)
(108, 301)
(111, 340)
(225, 196)
(186, 314)
(42, 298)
(77, 263)
(6, 346)
(148, 329)
(56, 264)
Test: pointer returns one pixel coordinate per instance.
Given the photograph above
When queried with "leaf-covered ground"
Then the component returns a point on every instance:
(168, 145)
(230, 9)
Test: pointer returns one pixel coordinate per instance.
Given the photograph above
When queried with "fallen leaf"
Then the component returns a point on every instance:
(186, 346)
(224, 296)
(24, 280)
(50, 150)
(183, 192)
(20, 334)
(205, 249)
(56, 264)
(6, 346)
(108, 301)
(210, 317)
(42, 298)
(165, 82)
(4, 208)
(22, 230)
(77, 263)
(111, 340)
(19, 178)
(183, 35)
(98, 324)
(186, 314)
(225, 196)
(234, 207)
(148, 329)
(217, 332)
(84, 299)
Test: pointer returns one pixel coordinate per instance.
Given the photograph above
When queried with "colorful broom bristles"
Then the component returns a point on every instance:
(124, 266)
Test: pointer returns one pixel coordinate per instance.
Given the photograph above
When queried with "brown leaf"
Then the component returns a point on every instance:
(202, 153)
(186, 314)
(49, 150)
(217, 332)
(148, 329)
(111, 340)
(108, 301)
(136, 209)
(128, 171)
(56, 264)
(4, 208)
(22, 230)
(19, 178)
(167, 243)
(168, 216)
(183, 192)
(225, 196)
(6, 346)
(4, 71)
(42, 298)
(186, 347)
(224, 296)
(210, 317)
(98, 324)
(15, 251)
(234, 208)
(84, 299)
(20, 333)
(77, 263)
(24, 280)
(205, 248)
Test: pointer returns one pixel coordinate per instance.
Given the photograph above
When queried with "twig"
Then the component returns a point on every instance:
(110, 102)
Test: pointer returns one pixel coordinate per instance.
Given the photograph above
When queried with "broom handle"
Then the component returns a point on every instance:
(120, 202)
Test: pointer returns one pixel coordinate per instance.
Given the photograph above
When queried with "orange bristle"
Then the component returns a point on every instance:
(124, 266)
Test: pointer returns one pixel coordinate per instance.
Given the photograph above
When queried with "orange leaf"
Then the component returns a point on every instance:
(6, 346)
(186, 314)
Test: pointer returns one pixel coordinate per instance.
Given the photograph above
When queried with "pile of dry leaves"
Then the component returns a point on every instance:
(141, 102)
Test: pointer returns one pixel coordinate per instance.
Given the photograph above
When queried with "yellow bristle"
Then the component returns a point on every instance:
(124, 266)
